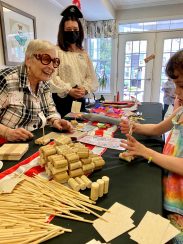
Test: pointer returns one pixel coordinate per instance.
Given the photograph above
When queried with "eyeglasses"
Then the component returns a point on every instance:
(45, 59)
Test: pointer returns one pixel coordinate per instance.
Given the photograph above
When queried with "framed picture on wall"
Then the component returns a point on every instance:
(18, 28)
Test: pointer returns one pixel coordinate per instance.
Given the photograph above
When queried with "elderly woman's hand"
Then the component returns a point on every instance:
(62, 124)
(19, 134)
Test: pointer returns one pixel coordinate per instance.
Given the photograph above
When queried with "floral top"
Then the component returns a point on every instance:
(173, 183)
(76, 69)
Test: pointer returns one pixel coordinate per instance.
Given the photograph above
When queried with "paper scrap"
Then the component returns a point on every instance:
(107, 142)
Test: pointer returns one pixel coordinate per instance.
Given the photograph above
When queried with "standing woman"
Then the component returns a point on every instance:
(75, 76)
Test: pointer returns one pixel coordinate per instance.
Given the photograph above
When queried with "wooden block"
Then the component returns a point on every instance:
(75, 165)
(13, 151)
(55, 157)
(74, 123)
(79, 145)
(42, 141)
(48, 171)
(83, 153)
(42, 161)
(106, 184)
(73, 184)
(86, 160)
(99, 162)
(63, 140)
(76, 172)
(61, 177)
(59, 170)
(76, 107)
(87, 167)
(72, 157)
(87, 181)
(81, 183)
(49, 151)
(60, 163)
(128, 159)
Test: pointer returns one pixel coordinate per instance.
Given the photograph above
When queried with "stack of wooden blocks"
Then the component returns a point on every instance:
(66, 159)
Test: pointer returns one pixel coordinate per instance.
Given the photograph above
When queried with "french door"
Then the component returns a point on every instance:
(141, 62)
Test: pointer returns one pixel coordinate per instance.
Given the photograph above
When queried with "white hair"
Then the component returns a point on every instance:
(37, 45)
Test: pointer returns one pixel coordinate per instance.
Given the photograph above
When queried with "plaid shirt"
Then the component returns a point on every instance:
(19, 107)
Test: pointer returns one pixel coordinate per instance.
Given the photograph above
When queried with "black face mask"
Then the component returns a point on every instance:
(71, 36)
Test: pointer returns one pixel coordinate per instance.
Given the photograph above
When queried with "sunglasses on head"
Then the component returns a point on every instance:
(45, 59)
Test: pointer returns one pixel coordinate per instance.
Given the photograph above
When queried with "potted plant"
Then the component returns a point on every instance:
(102, 77)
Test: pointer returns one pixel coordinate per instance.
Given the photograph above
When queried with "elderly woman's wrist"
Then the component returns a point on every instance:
(52, 121)
(5, 132)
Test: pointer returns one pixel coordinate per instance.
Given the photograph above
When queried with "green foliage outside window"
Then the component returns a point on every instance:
(100, 51)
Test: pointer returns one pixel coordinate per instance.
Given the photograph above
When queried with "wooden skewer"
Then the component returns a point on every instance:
(31, 222)
(95, 207)
(14, 241)
(52, 234)
(77, 218)
(34, 238)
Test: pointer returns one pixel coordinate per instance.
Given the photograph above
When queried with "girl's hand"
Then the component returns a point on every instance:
(125, 126)
(134, 147)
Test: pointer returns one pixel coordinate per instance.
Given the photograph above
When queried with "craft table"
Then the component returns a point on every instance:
(138, 185)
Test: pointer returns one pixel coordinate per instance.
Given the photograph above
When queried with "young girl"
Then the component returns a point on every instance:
(172, 157)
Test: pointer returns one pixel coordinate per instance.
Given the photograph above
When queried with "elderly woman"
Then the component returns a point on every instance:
(25, 98)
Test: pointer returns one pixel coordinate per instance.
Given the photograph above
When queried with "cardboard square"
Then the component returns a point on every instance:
(7, 185)
(13, 151)
(117, 222)
(170, 233)
(150, 230)
(93, 241)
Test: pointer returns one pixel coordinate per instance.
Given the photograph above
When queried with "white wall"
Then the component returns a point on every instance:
(151, 13)
(109, 7)
(47, 19)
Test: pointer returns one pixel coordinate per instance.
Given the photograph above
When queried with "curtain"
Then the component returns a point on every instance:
(100, 29)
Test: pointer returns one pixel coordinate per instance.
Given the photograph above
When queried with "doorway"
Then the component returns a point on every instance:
(140, 79)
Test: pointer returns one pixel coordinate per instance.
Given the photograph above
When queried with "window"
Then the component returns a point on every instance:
(100, 52)
(134, 70)
(151, 26)
(171, 46)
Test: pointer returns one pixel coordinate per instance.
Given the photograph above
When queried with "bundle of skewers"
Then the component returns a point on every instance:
(24, 212)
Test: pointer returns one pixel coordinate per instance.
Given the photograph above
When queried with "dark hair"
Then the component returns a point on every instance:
(174, 63)
(60, 37)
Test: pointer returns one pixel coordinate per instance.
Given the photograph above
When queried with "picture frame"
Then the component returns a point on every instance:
(18, 28)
